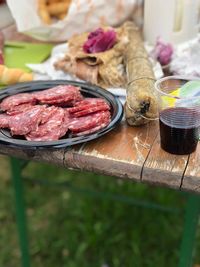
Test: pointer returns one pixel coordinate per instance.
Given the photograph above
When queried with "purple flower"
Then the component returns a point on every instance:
(100, 41)
(162, 52)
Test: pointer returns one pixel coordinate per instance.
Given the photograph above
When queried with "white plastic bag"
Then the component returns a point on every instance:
(83, 15)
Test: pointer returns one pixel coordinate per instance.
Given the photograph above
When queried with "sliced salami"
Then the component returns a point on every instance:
(89, 101)
(19, 109)
(25, 122)
(92, 130)
(48, 113)
(43, 116)
(91, 109)
(11, 102)
(52, 130)
(59, 94)
(4, 120)
(87, 122)
(87, 106)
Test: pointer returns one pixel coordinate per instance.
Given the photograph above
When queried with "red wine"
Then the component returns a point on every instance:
(179, 130)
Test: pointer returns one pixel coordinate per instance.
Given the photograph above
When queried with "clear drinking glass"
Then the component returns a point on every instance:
(179, 113)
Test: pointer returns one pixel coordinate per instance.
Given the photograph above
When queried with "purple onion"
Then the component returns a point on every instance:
(100, 41)
(163, 52)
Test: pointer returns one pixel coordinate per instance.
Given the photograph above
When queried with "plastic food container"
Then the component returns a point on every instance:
(175, 21)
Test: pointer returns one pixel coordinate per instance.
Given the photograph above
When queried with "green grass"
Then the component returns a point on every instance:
(68, 229)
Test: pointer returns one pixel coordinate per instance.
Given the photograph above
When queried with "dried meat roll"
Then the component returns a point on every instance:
(141, 102)
(101, 68)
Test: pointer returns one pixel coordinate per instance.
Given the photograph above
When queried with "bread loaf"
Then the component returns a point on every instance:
(13, 75)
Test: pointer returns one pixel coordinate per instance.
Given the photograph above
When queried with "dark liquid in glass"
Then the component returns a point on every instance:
(179, 130)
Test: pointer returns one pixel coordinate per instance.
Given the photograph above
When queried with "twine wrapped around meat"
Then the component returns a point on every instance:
(141, 102)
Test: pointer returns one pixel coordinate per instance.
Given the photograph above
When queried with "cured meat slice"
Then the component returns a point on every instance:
(48, 113)
(87, 122)
(10, 102)
(91, 109)
(89, 101)
(19, 109)
(4, 120)
(59, 94)
(64, 128)
(66, 101)
(54, 128)
(92, 130)
(86, 105)
(27, 121)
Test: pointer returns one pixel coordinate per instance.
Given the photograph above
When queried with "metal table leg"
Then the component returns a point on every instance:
(16, 168)
(189, 231)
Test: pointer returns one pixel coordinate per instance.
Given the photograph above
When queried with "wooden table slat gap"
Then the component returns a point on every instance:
(148, 155)
(184, 172)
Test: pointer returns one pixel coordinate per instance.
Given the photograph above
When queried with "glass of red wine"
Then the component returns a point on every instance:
(179, 113)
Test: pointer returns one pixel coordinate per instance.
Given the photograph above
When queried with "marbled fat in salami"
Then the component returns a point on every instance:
(54, 128)
(4, 120)
(92, 130)
(11, 102)
(90, 101)
(61, 94)
(88, 105)
(85, 123)
(27, 121)
(91, 109)
(19, 109)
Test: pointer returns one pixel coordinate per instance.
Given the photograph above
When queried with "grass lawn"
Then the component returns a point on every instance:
(68, 229)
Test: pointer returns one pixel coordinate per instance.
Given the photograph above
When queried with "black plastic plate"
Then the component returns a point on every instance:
(87, 90)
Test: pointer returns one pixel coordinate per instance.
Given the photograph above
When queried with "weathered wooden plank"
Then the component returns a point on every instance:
(42, 155)
(162, 168)
(191, 179)
(122, 152)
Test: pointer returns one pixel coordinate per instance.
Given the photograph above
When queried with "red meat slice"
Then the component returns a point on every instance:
(4, 121)
(64, 128)
(48, 113)
(19, 109)
(11, 102)
(53, 129)
(91, 109)
(85, 123)
(89, 101)
(27, 121)
(92, 130)
(87, 105)
(61, 94)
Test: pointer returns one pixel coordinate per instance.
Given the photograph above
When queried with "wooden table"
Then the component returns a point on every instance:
(126, 152)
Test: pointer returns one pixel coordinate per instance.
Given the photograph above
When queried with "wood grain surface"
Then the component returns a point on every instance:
(126, 152)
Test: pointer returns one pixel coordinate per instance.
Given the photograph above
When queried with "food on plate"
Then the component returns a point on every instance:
(100, 41)
(53, 113)
(13, 75)
(90, 123)
(52, 10)
(11, 102)
(141, 102)
(88, 106)
(97, 57)
(60, 95)
(51, 127)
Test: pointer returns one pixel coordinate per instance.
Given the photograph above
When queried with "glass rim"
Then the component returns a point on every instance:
(175, 77)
